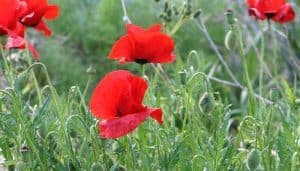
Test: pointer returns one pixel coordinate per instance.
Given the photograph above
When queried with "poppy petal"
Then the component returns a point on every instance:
(123, 49)
(157, 115)
(156, 47)
(52, 12)
(106, 96)
(155, 28)
(285, 14)
(118, 127)
(257, 14)
(252, 3)
(41, 26)
(131, 28)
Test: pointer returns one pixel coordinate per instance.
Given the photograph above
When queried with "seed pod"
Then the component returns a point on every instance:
(230, 17)
(117, 168)
(253, 159)
(207, 103)
(97, 167)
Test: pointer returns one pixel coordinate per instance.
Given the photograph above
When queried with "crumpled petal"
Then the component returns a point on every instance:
(119, 127)
(106, 96)
(41, 26)
(285, 14)
(123, 49)
(131, 28)
(52, 12)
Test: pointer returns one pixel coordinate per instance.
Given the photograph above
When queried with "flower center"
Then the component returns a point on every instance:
(141, 61)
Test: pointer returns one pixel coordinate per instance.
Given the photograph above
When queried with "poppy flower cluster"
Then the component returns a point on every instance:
(16, 15)
(277, 10)
(118, 98)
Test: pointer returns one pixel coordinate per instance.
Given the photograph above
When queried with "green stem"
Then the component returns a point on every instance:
(35, 81)
(246, 73)
(261, 62)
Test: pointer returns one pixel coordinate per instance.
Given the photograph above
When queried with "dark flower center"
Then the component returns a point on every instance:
(141, 61)
(270, 15)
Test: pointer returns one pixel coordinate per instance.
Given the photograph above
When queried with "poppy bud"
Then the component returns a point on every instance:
(253, 159)
(230, 17)
(91, 70)
(233, 127)
(183, 76)
(207, 103)
(197, 13)
(274, 94)
(96, 167)
(117, 168)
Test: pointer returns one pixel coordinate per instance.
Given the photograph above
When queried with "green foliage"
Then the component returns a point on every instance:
(209, 124)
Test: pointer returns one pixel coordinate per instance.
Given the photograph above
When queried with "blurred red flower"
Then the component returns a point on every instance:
(36, 11)
(117, 101)
(144, 46)
(9, 13)
(278, 10)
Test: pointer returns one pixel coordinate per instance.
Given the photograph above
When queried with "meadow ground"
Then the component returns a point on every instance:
(230, 101)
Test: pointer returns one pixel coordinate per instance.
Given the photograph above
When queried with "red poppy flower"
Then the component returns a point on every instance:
(143, 46)
(9, 11)
(36, 11)
(277, 10)
(117, 101)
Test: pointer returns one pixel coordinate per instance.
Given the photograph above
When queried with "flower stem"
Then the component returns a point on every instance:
(126, 18)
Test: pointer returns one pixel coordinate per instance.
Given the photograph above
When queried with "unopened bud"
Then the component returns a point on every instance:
(253, 159)
(207, 103)
(230, 17)
(96, 167)
(117, 168)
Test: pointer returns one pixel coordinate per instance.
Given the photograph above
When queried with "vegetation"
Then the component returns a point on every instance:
(231, 101)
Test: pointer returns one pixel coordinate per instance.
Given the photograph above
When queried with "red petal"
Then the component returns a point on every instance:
(131, 28)
(252, 3)
(123, 49)
(52, 12)
(155, 47)
(257, 14)
(116, 128)
(285, 14)
(8, 18)
(269, 6)
(155, 28)
(132, 96)
(33, 51)
(106, 96)
(41, 26)
(157, 114)
(15, 42)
